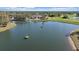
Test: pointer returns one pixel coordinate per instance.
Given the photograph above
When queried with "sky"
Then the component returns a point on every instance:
(39, 9)
(39, 5)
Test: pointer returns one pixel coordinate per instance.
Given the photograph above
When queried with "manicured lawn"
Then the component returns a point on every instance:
(59, 19)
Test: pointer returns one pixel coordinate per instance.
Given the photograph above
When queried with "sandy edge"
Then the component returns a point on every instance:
(72, 44)
(9, 26)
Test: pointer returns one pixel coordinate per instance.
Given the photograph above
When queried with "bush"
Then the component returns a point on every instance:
(52, 15)
(65, 17)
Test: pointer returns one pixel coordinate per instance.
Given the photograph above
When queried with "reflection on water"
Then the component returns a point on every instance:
(43, 36)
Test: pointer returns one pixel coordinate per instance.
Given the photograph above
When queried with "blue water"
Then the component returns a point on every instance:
(47, 36)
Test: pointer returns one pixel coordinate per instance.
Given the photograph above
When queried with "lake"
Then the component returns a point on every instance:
(44, 36)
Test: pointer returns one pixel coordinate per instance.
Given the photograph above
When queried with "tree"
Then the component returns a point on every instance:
(77, 14)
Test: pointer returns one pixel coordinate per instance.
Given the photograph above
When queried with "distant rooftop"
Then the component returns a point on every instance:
(39, 8)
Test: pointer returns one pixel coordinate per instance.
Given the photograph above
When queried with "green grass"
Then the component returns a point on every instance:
(59, 19)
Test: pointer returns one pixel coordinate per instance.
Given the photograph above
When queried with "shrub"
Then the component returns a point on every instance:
(65, 17)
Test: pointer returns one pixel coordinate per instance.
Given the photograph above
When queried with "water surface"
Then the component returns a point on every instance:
(47, 36)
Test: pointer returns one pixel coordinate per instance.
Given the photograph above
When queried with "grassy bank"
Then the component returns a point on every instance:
(58, 19)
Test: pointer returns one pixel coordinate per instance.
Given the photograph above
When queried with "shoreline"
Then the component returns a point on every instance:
(9, 26)
(72, 44)
(75, 39)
